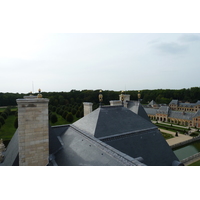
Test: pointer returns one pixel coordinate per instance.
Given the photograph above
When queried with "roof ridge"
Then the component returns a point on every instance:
(120, 135)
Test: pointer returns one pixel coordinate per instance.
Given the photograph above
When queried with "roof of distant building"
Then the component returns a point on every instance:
(174, 101)
(181, 115)
(152, 103)
(163, 110)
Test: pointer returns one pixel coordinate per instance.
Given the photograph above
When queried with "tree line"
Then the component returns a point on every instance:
(77, 97)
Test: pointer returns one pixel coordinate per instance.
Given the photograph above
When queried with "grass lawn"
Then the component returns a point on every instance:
(167, 135)
(197, 163)
(8, 129)
(172, 128)
(62, 121)
(11, 108)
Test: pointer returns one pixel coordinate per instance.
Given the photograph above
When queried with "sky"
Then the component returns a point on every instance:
(104, 58)
(108, 61)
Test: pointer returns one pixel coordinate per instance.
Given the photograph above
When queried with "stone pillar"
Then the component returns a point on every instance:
(126, 97)
(33, 131)
(87, 108)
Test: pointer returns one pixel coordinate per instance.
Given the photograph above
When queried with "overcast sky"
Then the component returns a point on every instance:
(118, 61)
(31, 58)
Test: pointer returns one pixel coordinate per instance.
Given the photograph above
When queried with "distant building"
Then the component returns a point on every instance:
(179, 106)
(187, 114)
(153, 104)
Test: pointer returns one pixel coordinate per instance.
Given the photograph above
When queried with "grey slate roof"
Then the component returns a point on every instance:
(151, 111)
(148, 144)
(190, 105)
(180, 115)
(129, 133)
(198, 102)
(138, 109)
(197, 114)
(112, 120)
(163, 110)
(174, 101)
(152, 103)
(79, 148)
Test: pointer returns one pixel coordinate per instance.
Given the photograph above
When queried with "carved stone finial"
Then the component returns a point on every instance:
(139, 95)
(2, 146)
(39, 95)
(100, 97)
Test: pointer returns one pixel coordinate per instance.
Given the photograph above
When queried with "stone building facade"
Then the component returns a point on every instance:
(185, 114)
(179, 106)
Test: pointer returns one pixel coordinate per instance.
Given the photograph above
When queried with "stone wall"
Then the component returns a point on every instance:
(33, 130)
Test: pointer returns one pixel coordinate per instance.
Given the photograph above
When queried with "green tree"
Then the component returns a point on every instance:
(16, 123)
(70, 117)
(2, 121)
(64, 114)
(73, 111)
(54, 118)
(78, 114)
(4, 115)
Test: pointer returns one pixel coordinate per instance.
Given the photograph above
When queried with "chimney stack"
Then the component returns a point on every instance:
(126, 97)
(33, 131)
(87, 108)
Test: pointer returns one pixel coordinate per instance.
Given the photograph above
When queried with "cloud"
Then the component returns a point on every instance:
(190, 38)
(171, 48)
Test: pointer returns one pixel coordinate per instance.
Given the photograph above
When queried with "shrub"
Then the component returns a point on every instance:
(54, 118)
(78, 114)
(64, 114)
(69, 117)
(73, 111)
(4, 115)
(16, 123)
(53, 108)
(2, 121)
(194, 134)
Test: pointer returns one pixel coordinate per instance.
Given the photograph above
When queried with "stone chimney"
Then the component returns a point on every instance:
(33, 131)
(115, 103)
(125, 96)
(87, 108)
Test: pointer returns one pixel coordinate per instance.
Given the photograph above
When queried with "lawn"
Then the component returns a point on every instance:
(167, 135)
(197, 163)
(8, 129)
(172, 128)
(62, 121)
(11, 108)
